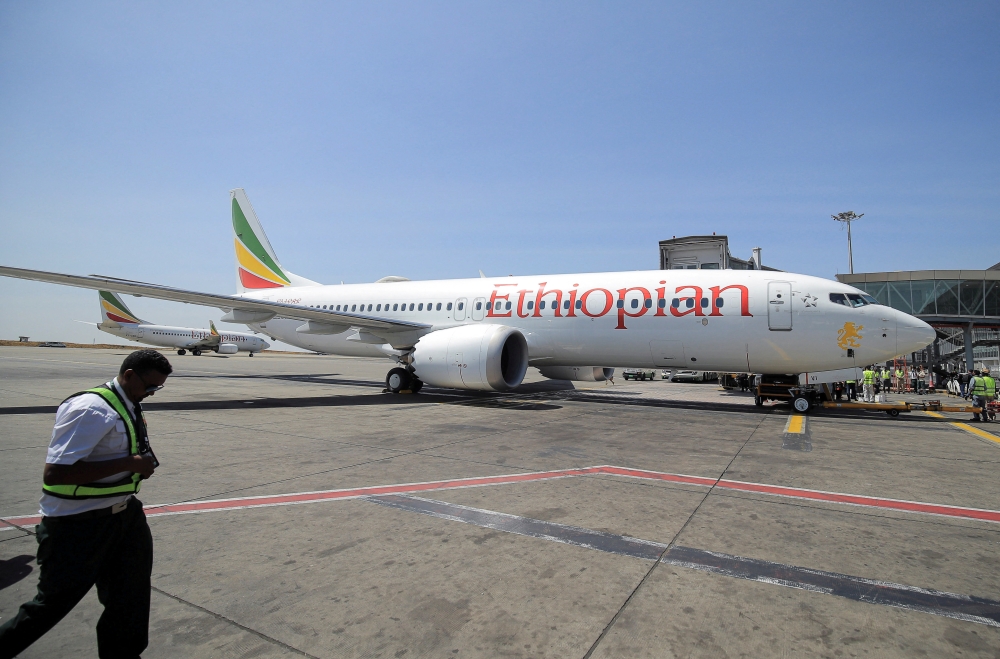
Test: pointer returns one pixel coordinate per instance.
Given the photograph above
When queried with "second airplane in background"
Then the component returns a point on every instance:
(118, 320)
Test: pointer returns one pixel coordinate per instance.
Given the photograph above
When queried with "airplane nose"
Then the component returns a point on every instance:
(912, 334)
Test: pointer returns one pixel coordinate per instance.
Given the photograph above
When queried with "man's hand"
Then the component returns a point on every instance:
(81, 472)
(142, 464)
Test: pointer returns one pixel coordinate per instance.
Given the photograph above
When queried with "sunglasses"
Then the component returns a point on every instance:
(150, 388)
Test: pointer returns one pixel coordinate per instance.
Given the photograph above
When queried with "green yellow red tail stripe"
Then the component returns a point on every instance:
(257, 268)
(116, 310)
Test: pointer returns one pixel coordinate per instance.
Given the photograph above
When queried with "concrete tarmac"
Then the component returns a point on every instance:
(640, 520)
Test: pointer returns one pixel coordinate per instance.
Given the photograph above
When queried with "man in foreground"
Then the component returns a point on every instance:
(93, 530)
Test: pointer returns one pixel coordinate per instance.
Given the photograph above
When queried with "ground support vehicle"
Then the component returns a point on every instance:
(638, 374)
(893, 409)
(787, 387)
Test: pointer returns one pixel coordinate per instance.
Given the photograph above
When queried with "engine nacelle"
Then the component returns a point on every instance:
(577, 373)
(227, 349)
(481, 357)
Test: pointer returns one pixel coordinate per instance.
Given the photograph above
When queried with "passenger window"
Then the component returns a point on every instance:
(420, 307)
(621, 304)
(635, 303)
(718, 302)
(353, 307)
(704, 303)
(449, 306)
(378, 308)
(507, 306)
(662, 302)
(541, 305)
(479, 305)
(531, 305)
(411, 306)
(648, 304)
(395, 307)
(579, 304)
(690, 302)
(439, 307)
(499, 304)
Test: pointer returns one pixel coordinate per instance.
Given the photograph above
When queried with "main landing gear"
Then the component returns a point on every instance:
(196, 352)
(182, 352)
(400, 380)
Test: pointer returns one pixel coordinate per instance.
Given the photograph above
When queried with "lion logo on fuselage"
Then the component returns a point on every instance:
(849, 336)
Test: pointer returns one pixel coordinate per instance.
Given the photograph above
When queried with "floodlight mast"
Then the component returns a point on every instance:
(848, 217)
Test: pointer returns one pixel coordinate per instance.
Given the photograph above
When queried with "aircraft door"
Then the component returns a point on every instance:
(460, 305)
(779, 305)
(478, 308)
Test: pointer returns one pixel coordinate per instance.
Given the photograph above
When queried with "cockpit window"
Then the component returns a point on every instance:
(852, 299)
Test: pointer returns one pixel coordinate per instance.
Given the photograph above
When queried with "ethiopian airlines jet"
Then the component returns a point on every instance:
(484, 333)
(118, 320)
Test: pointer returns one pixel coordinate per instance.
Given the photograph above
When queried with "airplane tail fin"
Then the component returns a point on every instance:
(257, 266)
(114, 312)
(215, 332)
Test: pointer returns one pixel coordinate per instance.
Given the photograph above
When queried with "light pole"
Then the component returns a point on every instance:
(847, 218)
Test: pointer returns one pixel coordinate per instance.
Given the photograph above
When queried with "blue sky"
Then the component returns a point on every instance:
(432, 140)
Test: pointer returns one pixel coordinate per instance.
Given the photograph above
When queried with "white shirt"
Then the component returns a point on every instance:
(87, 428)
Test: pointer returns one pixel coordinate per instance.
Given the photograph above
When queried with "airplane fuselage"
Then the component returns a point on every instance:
(182, 337)
(712, 320)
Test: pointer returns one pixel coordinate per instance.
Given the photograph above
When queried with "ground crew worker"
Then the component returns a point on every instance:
(868, 378)
(93, 530)
(899, 380)
(977, 389)
(852, 390)
(963, 382)
(991, 392)
(886, 376)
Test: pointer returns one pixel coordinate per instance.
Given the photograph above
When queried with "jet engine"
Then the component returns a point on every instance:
(481, 357)
(227, 349)
(577, 373)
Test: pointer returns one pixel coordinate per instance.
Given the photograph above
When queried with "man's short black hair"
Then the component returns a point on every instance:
(144, 361)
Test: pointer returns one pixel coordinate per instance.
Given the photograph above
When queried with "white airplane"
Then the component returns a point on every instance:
(117, 319)
(483, 333)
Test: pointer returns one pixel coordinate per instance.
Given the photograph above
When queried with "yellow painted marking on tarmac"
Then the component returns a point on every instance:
(796, 424)
(976, 431)
(967, 428)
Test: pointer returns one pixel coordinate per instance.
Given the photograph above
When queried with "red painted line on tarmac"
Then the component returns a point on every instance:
(507, 479)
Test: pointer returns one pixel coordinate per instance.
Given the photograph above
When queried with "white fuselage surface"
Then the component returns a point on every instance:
(184, 338)
(709, 320)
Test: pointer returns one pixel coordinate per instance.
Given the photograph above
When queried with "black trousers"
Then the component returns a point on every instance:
(115, 552)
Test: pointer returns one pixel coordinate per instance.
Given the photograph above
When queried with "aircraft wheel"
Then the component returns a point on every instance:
(196, 353)
(892, 413)
(181, 352)
(416, 385)
(758, 401)
(397, 379)
(251, 354)
(802, 404)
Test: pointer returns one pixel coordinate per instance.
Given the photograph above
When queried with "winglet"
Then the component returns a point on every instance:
(482, 274)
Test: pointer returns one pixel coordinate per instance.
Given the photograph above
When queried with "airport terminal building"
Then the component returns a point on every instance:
(962, 305)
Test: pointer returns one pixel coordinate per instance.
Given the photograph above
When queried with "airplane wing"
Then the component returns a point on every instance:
(228, 303)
